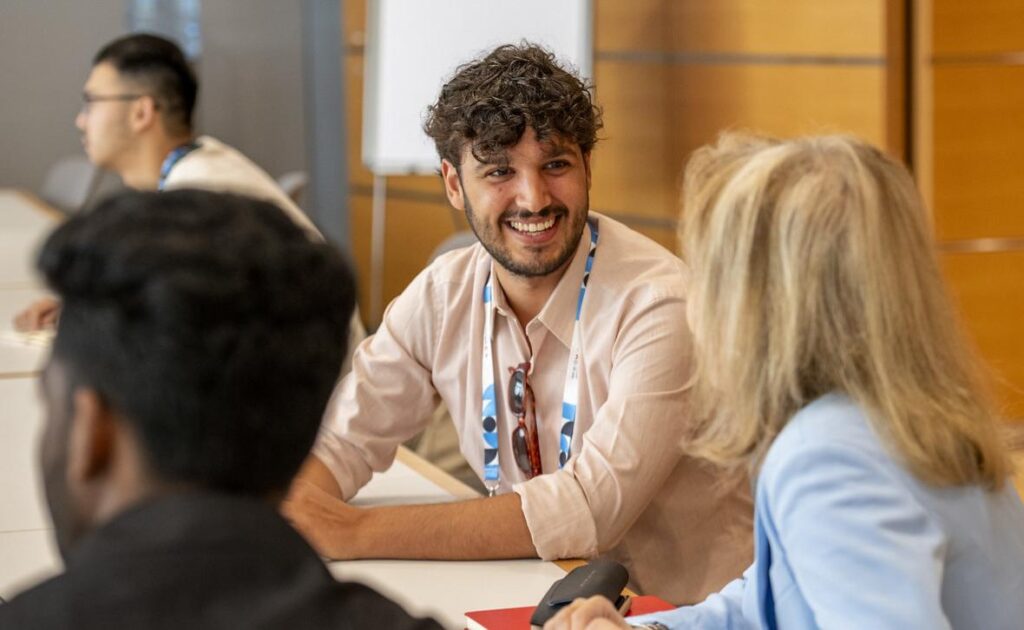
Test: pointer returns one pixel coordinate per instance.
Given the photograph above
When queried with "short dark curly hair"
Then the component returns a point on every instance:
(211, 323)
(490, 102)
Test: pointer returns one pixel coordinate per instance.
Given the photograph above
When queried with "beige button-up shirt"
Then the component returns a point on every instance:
(628, 491)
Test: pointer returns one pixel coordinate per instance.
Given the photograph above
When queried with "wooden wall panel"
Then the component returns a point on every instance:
(358, 174)
(634, 166)
(988, 289)
(969, 119)
(664, 236)
(801, 27)
(978, 150)
(977, 27)
(657, 114)
(779, 100)
(413, 229)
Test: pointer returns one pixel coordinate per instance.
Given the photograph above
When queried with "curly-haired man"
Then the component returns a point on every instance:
(558, 344)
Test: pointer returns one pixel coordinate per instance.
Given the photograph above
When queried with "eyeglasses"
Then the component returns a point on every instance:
(525, 443)
(89, 99)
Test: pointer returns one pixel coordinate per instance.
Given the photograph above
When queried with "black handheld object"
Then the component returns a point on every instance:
(600, 577)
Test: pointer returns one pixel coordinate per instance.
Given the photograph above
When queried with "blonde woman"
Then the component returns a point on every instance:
(830, 364)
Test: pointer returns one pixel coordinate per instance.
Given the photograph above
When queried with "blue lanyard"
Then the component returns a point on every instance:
(172, 159)
(570, 398)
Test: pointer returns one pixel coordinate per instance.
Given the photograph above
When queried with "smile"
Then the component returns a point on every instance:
(531, 228)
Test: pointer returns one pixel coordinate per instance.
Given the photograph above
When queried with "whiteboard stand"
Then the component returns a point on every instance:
(377, 230)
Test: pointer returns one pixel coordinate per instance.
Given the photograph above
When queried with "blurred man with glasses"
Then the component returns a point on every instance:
(556, 344)
(136, 120)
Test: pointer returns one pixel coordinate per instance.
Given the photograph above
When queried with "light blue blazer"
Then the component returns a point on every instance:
(845, 537)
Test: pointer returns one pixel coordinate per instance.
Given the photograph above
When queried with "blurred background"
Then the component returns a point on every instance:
(937, 83)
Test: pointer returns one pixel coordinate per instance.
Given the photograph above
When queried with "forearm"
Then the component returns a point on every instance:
(489, 528)
(316, 472)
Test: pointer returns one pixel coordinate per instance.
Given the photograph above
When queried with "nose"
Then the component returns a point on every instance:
(533, 193)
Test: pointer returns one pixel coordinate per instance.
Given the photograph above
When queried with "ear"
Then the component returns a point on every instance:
(145, 114)
(452, 185)
(586, 166)
(92, 436)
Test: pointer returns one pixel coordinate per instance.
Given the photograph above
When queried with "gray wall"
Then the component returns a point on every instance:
(250, 93)
(45, 49)
(250, 79)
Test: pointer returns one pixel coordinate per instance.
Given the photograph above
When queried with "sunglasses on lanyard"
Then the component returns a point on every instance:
(525, 442)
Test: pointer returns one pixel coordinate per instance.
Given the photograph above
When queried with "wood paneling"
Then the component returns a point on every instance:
(978, 150)
(358, 174)
(778, 100)
(666, 237)
(969, 153)
(634, 165)
(978, 26)
(897, 90)
(657, 114)
(989, 293)
(412, 230)
(354, 19)
(793, 27)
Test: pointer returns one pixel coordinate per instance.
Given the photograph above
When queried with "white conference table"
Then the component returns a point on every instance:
(442, 589)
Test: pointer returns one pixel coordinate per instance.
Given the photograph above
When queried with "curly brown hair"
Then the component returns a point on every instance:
(491, 101)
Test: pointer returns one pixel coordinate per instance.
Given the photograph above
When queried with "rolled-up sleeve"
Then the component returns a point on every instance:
(387, 397)
(633, 445)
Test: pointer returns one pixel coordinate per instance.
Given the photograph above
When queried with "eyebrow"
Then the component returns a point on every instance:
(552, 149)
(483, 166)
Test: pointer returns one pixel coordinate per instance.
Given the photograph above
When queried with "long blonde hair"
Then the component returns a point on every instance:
(813, 271)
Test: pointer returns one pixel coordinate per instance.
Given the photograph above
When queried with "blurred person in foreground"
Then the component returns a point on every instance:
(201, 336)
(831, 365)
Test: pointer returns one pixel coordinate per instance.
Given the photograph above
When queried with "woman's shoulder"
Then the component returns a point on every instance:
(830, 436)
(831, 420)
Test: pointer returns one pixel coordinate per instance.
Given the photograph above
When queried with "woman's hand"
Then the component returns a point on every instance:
(596, 613)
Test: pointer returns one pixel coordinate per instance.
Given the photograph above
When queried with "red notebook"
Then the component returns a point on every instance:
(519, 618)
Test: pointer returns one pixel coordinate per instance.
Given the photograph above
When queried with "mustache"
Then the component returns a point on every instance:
(522, 215)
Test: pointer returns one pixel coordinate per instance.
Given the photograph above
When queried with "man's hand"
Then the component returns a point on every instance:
(596, 613)
(475, 529)
(39, 315)
(326, 522)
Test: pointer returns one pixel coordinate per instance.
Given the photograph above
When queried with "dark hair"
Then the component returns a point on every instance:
(490, 102)
(210, 322)
(161, 68)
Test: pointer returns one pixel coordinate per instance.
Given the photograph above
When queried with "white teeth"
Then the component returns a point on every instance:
(531, 227)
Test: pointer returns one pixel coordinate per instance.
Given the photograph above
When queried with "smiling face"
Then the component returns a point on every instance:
(528, 207)
(105, 127)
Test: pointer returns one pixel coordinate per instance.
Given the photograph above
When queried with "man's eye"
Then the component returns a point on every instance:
(557, 164)
(498, 172)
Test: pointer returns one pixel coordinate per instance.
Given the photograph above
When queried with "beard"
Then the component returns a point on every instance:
(489, 236)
